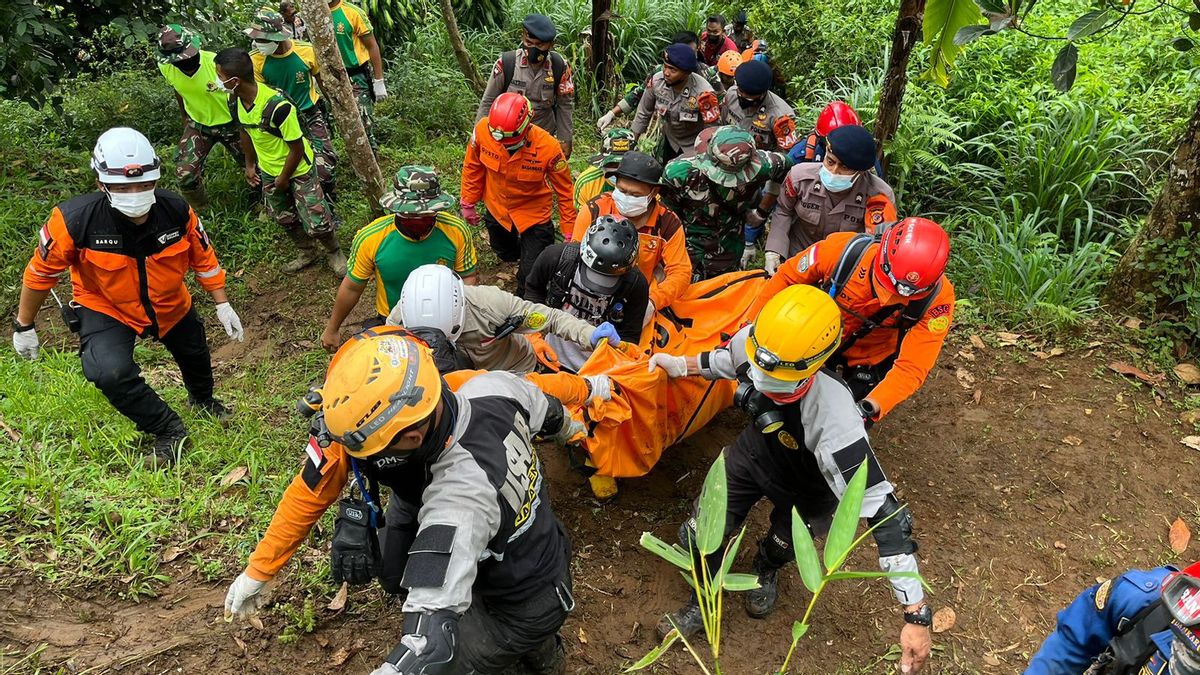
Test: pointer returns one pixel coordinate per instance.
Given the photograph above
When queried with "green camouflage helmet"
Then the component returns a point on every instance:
(267, 26)
(416, 191)
(731, 158)
(617, 141)
(176, 43)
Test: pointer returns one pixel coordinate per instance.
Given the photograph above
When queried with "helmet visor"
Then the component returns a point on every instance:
(904, 287)
(1181, 595)
(769, 362)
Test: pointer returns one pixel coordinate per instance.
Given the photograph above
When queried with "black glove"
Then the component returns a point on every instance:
(355, 557)
(428, 644)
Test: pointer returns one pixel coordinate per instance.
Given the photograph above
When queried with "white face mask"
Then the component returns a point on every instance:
(132, 204)
(629, 205)
(266, 48)
(769, 385)
(221, 86)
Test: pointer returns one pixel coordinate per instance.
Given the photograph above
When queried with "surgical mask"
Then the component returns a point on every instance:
(266, 48)
(535, 54)
(769, 385)
(221, 86)
(132, 204)
(629, 205)
(836, 182)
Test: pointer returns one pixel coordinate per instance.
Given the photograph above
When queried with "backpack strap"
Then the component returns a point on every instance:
(273, 116)
(852, 256)
(508, 64)
(560, 283)
(1133, 645)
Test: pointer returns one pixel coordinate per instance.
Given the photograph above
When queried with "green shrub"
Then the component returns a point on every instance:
(141, 99)
(1174, 269)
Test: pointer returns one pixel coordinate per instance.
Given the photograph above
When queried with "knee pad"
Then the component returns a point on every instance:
(895, 536)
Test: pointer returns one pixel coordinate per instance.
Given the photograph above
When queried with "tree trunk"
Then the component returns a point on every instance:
(460, 50)
(1177, 205)
(335, 83)
(904, 36)
(600, 63)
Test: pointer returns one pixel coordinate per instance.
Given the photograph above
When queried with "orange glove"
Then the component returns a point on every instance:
(544, 352)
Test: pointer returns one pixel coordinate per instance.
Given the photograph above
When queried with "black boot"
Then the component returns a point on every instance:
(687, 619)
(168, 447)
(549, 658)
(213, 408)
(761, 601)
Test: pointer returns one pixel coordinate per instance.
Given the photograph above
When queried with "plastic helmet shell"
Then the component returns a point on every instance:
(836, 114)
(800, 325)
(434, 296)
(124, 155)
(610, 246)
(914, 250)
(509, 118)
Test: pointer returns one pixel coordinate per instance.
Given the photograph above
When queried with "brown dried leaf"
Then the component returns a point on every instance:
(582, 636)
(1192, 442)
(1060, 546)
(339, 600)
(339, 657)
(977, 396)
(170, 554)
(240, 643)
(965, 378)
(1042, 355)
(1180, 536)
(1189, 416)
(235, 475)
(943, 619)
(323, 641)
(977, 342)
(1187, 373)
(991, 659)
(257, 623)
(1007, 339)
(1132, 323)
(504, 276)
(1073, 440)
(1125, 369)
(1057, 351)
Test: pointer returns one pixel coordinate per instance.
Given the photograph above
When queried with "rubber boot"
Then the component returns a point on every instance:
(168, 447)
(197, 197)
(333, 254)
(309, 253)
(604, 488)
(687, 619)
(761, 601)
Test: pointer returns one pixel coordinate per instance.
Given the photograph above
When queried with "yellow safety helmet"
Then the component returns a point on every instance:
(378, 384)
(796, 331)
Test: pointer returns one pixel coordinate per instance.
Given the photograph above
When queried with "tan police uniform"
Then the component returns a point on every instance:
(684, 113)
(807, 213)
(772, 123)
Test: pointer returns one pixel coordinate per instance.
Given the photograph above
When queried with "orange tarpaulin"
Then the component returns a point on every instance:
(648, 411)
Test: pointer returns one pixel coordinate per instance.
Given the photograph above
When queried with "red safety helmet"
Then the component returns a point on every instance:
(1181, 596)
(912, 257)
(509, 118)
(836, 114)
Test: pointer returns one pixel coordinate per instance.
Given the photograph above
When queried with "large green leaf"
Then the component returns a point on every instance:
(837, 576)
(730, 553)
(662, 549)
(710, 523)
(845, 520)
(1089, 23)
(943, 20)
(806, 553)
(740, 582)
(1062, 72)
(656, 653)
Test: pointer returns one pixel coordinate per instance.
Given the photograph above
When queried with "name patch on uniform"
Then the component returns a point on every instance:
(107, 241)
(788, 440)
(1102, 595)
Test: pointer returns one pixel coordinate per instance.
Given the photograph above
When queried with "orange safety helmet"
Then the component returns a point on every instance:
(509, 118)
(728, 62)
(912, 257)
(836, 114)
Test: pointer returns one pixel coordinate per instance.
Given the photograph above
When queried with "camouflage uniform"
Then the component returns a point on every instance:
(711, 193)
(192, 152)
(301, 210)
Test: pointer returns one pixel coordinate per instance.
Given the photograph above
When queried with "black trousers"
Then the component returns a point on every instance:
(520, 247)
(106, 350)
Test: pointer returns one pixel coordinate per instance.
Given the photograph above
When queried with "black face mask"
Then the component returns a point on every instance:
(713, 39)
(748, 103)
(535, 54)
(189, 66)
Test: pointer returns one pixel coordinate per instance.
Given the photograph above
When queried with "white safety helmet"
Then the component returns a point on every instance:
(124, 155)
(433, 297)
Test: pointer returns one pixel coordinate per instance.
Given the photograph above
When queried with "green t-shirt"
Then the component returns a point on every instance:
(290, 73)
(272, 150)
(380, 250)
(201, 100)
(350, 24)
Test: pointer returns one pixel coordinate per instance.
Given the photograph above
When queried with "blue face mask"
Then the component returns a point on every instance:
(836, 182)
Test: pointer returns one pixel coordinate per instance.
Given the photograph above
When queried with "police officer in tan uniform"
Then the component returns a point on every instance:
(542, 75)
(751, 105)
(820, 199)
(683, 101)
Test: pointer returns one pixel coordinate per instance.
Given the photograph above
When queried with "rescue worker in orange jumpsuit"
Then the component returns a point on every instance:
(128, 247)
(896, 302)
(662, 246)
(516, 168)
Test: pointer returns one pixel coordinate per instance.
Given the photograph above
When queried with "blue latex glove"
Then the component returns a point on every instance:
(606, 331)
(751, 234)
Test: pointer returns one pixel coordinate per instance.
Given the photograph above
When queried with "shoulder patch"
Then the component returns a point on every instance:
(939, 325)
(561, 164)
(1102, 594)
(807, 260)
(566, 86)
(314, 465)
(535, 320)
(710, 107)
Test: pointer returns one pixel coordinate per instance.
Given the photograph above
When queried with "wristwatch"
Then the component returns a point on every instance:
(921, 617)
(18, 327)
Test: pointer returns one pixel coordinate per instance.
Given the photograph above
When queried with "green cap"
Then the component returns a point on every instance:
(416, 191)
(617, 141)
(176, 43)
(731, 158)
(267, 26)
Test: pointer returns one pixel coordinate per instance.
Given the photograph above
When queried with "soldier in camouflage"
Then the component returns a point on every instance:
(205, 111)
(718, 193)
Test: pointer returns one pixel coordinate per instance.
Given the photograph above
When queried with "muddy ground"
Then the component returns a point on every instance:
(1029, 478)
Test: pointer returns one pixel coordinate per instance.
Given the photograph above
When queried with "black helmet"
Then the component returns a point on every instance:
(640, 167)
(610, 246)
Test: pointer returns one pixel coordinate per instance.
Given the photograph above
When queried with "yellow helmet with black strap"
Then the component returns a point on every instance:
(795, 333)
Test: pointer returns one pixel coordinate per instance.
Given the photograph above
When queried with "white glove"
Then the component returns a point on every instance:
(601, 387)
(773, 260)
(386, 669)
(380, 89)
(229, 319)
(571, 428)
(26, 343)
(242, 599)
(673, 366)
(748, 255)
(606, 120)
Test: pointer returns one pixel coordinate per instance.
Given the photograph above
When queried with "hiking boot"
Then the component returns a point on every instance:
(687, 619)
(168, 447)
(761, 601)
(213, 408)
(306, 258)
(337, 262)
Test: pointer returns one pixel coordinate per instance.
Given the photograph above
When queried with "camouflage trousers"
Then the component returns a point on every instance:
(301, 206)
(714, 253)
(365, 96)
(316, 126)
(195, 144)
